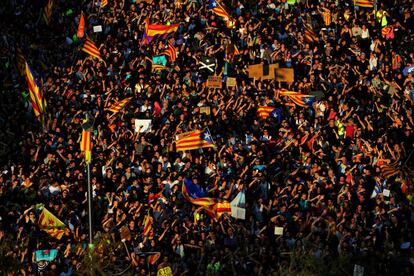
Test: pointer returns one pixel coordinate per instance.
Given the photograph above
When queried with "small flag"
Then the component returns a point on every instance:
(47, 11)
(364, 3)
(157, 67)
(153, 258)
(118, 106)
(104, 3)
(46, 255)
(81, 27)
(310, 35)
(51, 224)
(327, 17)
(196, 139)
(36, 97)
(156, 32)
(269, 111)
(147, 225)
(171, 52)
(86, 145)
(90, 48)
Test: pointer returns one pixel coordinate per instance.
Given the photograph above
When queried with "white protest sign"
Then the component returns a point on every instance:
(144, 123)
(97, 29)
(238, 213)
(386, 192)
(278, 231)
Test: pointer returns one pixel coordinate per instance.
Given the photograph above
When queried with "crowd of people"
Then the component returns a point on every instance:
(315, 171)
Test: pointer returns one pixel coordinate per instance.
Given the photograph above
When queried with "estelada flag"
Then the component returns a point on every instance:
(171, 52)
(51, 224)
(81, 27)
(118, 106)
(196, 139)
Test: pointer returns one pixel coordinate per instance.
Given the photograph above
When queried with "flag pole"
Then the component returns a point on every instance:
(89, 205)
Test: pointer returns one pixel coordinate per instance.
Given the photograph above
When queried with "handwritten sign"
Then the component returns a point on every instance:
(278, 231)
(284, 75)
(231, 82)
(214, 82)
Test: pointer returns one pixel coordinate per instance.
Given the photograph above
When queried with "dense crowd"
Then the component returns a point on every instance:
(316, 171)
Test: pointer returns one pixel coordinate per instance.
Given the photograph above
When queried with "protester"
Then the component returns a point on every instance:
(336, 175)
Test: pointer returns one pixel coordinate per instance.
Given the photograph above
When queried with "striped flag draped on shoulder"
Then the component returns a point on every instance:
(90, 48)
(118, 106)
(47, 11)
(171, 52)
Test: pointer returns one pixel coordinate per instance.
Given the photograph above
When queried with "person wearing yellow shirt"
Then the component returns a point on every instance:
(382, 17)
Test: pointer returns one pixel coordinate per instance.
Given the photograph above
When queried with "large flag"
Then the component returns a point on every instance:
(36, 97)
(299, 98)
(118, 106)
(390, 170)
(196, 139)
(269, 111)
(171, 52)
(46, 255)
(310, 35)
(86, 145)
(217, 9)
(147, 225)
(81, 27)
(365, 3)
(156, 32)
(21, 61)
(90, 48)
(51, 224)
(47, 11)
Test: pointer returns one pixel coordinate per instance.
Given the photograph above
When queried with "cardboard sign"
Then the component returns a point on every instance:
(231, 82)
(278, 231)
(264, 71)
(284, 75)
(97, 29)
(205, 109)
(214, 82)
(238, 213)
(145, 124)
(386, 192)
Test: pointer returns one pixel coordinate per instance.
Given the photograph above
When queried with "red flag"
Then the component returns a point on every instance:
(81, 27)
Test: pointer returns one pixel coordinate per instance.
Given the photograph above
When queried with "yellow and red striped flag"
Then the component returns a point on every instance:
(364, 3)
(196, 139)
(36, 96)
(386, 30)
(153, 258)
(86, 145)
(47, 11)
(81, 27)
(90, 48)
(21, 61)
(264, 111)
(390, 170)
(327, 17)
(51, 224)
(171, 52)
(104, 3)
(118, 106)
(147, 225)
(309, 34)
